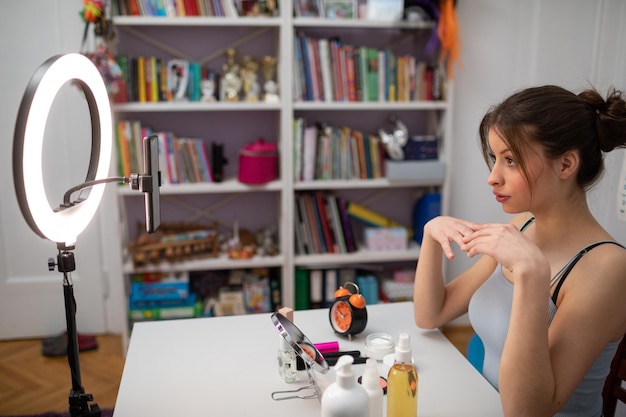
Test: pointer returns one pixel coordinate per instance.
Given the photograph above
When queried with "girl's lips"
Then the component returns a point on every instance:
(500, 198)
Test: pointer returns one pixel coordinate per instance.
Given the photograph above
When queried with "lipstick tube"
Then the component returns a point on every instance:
(327, 347)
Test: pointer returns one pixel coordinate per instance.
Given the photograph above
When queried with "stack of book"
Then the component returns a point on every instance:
(162, 299)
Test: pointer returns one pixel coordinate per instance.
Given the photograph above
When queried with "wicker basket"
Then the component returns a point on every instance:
(174, 242)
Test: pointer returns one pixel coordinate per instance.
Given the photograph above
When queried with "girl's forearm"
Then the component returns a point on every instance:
(526, 377)
(429, 289)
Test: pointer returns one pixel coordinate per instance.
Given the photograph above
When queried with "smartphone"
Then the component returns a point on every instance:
(152, 182)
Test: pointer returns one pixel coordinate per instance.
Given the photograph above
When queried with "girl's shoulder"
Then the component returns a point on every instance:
(522, 220)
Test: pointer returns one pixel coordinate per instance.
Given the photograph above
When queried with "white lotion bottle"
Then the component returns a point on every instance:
(345, 397)
(371, 383)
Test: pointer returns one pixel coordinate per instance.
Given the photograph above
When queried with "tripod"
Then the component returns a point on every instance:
(78, 399)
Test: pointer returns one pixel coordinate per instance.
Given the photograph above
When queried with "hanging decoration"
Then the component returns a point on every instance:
(448, 31)
(94, 14)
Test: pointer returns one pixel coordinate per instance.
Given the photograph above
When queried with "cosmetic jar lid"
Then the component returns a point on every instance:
(377, 345)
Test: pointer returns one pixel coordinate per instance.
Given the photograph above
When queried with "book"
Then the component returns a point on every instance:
(298, 132)
(142, 96)
(158, 291)
(346, 225)
(300, 243)
(316, 283)
(370, 217)
(302, 288)
(350, 73)
(372, 74)
(309, 153)
(315, 222)
(124, 163)
(360, 149)
(331, 283)
(336, 223)
(307, 238)
(329, 239)
(326, 69)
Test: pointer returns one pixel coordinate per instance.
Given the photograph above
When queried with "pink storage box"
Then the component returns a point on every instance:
(258, 162)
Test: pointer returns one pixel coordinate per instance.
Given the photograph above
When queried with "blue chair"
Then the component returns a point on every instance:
(476, 352)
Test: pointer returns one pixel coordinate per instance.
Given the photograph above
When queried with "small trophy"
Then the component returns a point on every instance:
(268, 64)
(231, 82)
(249, 70)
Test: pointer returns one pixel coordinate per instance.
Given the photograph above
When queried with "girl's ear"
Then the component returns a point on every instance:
(568, 164)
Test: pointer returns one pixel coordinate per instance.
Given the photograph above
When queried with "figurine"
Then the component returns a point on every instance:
(266, 241)
(268, 63)
(394, 142)
(231, 82)
(249, 75)
(208, 87)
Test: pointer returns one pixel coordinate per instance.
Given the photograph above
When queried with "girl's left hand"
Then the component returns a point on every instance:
(507, 245)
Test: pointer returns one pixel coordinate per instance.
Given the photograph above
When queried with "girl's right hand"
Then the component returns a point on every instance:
(445, 230)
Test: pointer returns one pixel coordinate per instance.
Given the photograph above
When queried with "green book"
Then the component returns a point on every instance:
(302, 289)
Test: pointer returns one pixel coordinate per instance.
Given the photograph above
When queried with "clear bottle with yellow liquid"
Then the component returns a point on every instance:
(402, 381)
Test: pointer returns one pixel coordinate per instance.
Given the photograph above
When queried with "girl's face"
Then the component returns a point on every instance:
(512, 188)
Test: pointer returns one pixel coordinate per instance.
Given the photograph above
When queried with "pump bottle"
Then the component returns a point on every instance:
(371, 383)
(345, 397)
(402, 381)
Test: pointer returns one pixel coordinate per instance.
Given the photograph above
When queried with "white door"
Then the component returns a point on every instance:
(31, 297)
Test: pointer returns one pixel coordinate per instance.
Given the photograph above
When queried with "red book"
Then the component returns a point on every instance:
(328, 235)
(350, 73)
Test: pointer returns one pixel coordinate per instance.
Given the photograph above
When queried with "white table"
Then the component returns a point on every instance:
(227, 367)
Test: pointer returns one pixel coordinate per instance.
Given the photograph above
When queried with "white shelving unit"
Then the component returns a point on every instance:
(282, 114)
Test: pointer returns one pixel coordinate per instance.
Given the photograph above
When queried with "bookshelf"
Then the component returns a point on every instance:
(238, 123)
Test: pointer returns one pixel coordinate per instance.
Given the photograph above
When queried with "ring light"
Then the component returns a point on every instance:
(65, 224)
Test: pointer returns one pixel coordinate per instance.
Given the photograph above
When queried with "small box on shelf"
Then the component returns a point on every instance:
(386, 238)
(427, 170)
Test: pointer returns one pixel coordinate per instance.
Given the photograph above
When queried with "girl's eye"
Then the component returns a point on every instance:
(492, 158)
(509, 161)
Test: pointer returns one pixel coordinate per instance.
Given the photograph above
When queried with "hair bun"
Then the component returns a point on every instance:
(611, 115)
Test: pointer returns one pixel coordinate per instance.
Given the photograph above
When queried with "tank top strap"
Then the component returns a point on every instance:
(528, 223)
(570, 265)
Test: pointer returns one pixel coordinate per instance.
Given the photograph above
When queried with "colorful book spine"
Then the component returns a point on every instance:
(370, 217)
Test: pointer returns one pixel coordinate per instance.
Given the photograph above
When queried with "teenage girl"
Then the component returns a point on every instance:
(547, 294)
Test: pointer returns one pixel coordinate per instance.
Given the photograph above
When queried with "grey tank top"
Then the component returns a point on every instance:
(490, 314)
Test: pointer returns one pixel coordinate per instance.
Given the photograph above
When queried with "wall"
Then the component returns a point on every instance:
(31, 297)
(508, 45)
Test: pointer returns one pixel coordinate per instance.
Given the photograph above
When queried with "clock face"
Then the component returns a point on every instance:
(341, 316)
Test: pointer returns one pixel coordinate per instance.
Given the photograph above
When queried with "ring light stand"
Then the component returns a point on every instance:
(63, 224)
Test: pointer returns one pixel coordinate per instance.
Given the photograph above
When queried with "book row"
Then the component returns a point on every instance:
(150, 79)
(175, 8)
(327, 70)
(323, 223)
(181, 160)
(335, 153)
(315, 288)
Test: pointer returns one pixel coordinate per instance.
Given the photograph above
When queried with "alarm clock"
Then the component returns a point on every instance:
(347, 314)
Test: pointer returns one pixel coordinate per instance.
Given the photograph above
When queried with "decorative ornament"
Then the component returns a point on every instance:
(395, 141)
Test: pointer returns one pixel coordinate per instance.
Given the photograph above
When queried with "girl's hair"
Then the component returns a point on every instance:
(559, 121)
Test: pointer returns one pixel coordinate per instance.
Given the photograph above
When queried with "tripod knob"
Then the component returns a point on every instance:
(51, 264)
